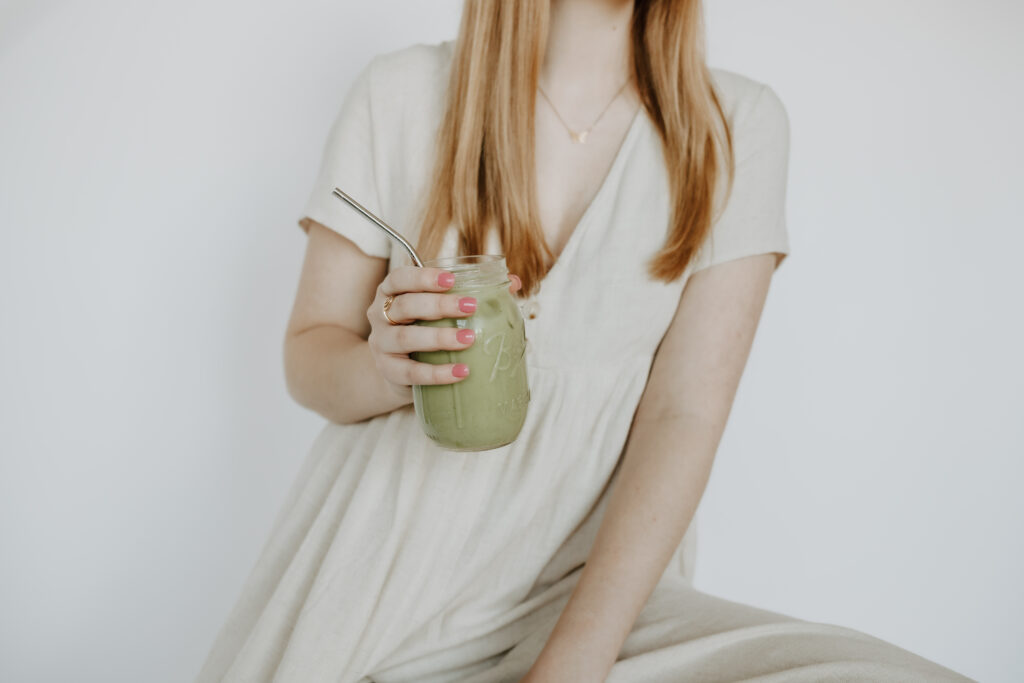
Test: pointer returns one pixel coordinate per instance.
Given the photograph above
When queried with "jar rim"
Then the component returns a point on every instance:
(473, 270)
(465, 261)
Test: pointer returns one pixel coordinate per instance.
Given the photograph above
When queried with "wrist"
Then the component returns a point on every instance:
(550, 670)
(568, 657)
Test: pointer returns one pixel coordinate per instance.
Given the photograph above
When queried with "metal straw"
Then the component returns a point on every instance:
(380, 224)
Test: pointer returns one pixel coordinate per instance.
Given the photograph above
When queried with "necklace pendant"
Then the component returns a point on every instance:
(580, 137)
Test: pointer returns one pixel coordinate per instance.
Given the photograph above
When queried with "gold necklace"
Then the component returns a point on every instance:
(581, 136)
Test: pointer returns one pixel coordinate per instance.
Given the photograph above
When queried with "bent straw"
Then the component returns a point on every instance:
(394, 234)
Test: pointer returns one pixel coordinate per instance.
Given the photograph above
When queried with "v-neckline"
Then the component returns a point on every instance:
(578, 231)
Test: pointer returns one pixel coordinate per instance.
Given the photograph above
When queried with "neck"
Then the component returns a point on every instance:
(588, 45)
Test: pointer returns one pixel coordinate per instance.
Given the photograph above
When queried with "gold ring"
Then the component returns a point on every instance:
(388, 300)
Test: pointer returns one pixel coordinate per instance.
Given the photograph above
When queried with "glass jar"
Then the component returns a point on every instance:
(487, 409)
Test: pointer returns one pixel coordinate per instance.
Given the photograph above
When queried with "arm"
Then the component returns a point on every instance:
(328, 365)
(665, 467)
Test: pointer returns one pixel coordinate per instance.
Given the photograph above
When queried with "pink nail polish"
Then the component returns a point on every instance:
(467, 304)
(461, 370)
(465, 336)
(446, 279)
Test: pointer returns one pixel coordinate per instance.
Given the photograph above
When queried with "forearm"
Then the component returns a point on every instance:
(330, 370)
(663, 475)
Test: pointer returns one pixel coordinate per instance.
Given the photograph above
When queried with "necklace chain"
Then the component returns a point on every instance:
(581, 136)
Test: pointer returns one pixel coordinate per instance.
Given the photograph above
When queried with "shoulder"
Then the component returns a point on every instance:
(753, 109)
(411, 73)
(758, 119)
(401, 93)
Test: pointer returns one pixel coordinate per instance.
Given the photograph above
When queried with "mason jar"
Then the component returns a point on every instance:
(487, 409)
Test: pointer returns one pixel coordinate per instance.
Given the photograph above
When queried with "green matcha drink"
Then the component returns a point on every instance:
(487, 409)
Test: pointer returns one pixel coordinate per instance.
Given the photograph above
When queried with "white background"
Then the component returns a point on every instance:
(154, 158)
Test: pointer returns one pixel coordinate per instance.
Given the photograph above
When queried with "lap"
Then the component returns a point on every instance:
(686, 634)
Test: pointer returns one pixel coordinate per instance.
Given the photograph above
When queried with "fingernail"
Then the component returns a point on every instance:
(465, 336)
(446, 279)
(467, 304)
(460, 370)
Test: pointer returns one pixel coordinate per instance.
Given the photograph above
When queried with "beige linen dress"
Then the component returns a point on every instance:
(396, 561)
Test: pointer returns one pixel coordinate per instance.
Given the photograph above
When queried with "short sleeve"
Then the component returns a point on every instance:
(753, 220)
(349, 162)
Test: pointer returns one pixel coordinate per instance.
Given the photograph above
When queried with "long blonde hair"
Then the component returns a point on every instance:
(484, 170)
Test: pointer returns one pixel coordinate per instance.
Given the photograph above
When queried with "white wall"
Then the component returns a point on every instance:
(154, 156)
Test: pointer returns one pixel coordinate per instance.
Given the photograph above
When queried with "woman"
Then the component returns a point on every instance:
(639, 198)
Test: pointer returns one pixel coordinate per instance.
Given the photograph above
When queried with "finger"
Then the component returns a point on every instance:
(429, 306)
(409, 338)
(516, 285)
(415, 279)
(403, 370)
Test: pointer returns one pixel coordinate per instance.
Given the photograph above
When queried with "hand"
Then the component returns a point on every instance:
(419, 295)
